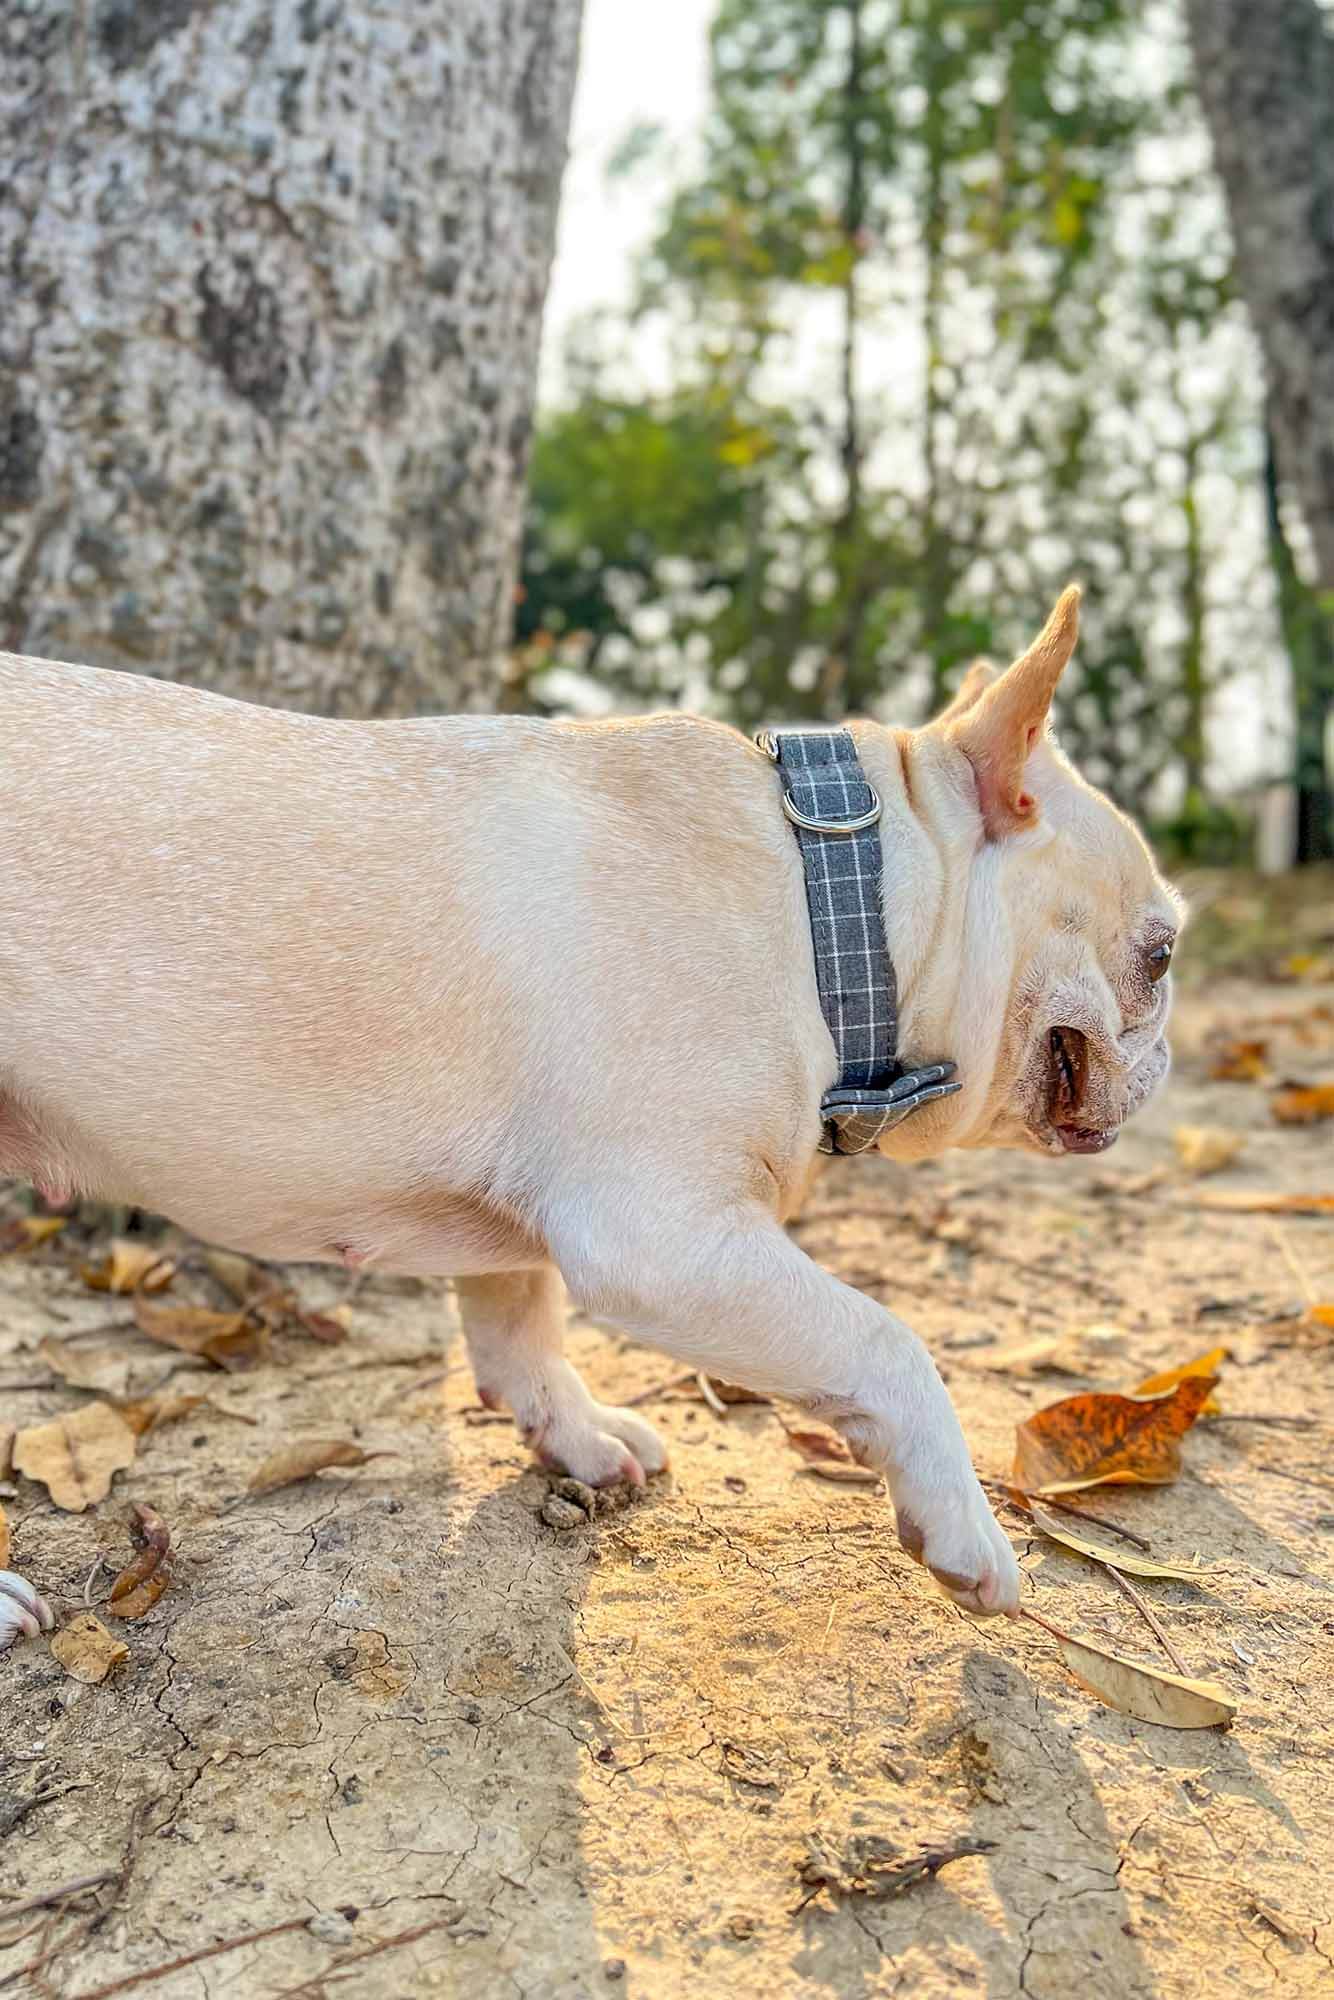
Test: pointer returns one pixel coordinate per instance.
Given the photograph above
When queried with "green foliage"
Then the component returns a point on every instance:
(949, 315)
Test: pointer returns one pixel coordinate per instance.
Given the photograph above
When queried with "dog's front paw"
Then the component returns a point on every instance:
(22, 1611)
(965, 1548)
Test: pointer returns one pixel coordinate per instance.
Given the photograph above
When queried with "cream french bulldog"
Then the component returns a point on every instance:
(527, 1002)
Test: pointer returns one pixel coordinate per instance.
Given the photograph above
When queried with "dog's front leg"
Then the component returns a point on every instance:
(742, 1302)
(514, 1324)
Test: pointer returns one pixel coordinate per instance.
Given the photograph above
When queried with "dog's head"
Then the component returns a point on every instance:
(1064, 893)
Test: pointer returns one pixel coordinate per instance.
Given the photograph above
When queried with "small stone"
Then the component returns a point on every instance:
(741, 1926)
(331, 1928)
(563, 1514)
(613, 1968)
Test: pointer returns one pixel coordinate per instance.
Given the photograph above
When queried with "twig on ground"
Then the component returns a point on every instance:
(45, 1897)
(1277, 1423)
(1008, 1492)
(710, 1395)
(133, 1979)
(658, 1389)
(1150, 1617)
(118, 1876)
(319, 1980)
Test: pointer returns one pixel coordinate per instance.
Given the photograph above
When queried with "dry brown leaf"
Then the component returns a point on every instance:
(308, 1456)
(330, 1327)
(1203, 1364)
(1126, 1559)
(7, 1436)
(1238, 1061)
(820, 1448)
(4, 1540)
(86, 1650)
(26, 1232)
(1147, 1693)
(129, 1267)
(1100, 1439)
(104, 1373)
(146, 1413)
(233, 1341)
(76, 1457)
(142, 1581)
(1304, 1104)
(255, 1287)
(1242, 1201)
(1206, 1149)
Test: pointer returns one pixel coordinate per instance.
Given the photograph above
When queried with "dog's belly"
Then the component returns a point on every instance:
(430, 1233)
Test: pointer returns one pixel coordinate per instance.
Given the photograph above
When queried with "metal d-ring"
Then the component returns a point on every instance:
(859, 825)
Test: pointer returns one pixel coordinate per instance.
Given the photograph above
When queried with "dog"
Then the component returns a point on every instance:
(531, 1003)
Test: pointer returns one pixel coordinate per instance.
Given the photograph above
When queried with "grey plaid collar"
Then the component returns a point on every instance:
(836, 814)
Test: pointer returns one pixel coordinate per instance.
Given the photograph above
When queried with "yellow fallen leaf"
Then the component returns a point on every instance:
(129, 1267)
(1203, 1364)
(1322, 1315)
(1206, 1149)
(1238, 1061)
(1309, 966)
(1147, 1693)
(1126, 1559)
(1242, 1201)
(25, 1232)
(4, 1540)
(86, 1650)
(1303, 1105)
(310, 1455)
(76, 1457)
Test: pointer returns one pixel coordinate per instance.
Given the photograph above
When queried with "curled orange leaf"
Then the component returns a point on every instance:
(1099, 1439)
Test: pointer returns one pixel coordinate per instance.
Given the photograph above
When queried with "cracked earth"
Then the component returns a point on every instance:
(569, 1764)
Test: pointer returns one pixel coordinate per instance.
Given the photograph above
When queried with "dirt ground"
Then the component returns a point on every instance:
(523, 1760)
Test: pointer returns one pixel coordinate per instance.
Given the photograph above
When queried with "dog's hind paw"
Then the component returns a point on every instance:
(603, 1446)
(22, 1611)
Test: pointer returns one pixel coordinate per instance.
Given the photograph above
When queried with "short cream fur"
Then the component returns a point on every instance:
(522, 1003)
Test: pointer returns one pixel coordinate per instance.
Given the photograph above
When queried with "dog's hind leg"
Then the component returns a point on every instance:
(21, 1609)
(514, 1324)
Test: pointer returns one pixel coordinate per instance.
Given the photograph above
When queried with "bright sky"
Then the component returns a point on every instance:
(640, 62)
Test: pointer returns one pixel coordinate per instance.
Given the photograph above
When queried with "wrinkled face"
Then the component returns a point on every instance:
(1093, 927)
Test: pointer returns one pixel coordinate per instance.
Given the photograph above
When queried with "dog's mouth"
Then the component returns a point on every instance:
(1067, 1090)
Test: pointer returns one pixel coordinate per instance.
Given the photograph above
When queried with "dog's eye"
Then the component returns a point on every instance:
(1157, 961)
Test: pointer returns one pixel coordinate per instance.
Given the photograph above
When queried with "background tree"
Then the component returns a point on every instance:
(1266, 79)
(271, 281)
(961, 283)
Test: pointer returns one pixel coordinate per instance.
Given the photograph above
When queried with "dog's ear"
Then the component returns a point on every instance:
(973, 685)
(999, 726)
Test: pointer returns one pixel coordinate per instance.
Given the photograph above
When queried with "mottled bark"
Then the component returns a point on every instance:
(1265, 74)
(271, 282)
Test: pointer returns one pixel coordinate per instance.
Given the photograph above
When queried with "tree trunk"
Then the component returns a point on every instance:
(271, 283)
(1265, 74)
